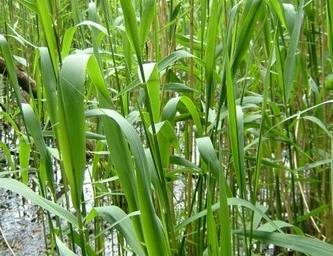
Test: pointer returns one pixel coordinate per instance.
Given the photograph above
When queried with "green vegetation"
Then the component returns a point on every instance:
(201, 127)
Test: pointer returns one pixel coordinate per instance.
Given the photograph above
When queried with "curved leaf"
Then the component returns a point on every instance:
(26, 192)
(309, 246)
(120, 220)
(154, 235)
(173, 105)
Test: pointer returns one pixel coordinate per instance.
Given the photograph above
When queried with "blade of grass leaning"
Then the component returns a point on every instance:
(260, 148)
(63, 249)
(280, 224)
(166, 137)
(27, 193)
(34, 128)
(118, 146)
(237, 47)
(31, 5)
(122, 161)
(232, 201)
(123, 164)
(121, 221)
(307, 245)
(11, 68)
(8, 156)
(152, 98)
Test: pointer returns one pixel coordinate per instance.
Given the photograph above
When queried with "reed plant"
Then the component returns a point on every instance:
(200, 127)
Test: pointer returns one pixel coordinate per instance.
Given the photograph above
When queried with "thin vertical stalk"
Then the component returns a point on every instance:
(189, 129)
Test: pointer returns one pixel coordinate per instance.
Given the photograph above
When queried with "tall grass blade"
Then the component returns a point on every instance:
(236, 129)
(154, 235)
(11, 68)
(146, 20)
(49, 81)
(211, 37)
(49, 31)
(246, 29)
(132, 30)
(46, 171)
(151, 76)
(72, 122)
(329, 26)
(208, 154)
(24, 156)
(290, 62)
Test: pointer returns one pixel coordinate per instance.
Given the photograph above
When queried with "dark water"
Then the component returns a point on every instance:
(21, 226)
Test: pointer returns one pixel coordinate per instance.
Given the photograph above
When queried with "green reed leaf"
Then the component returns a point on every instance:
(63, 249)
(48, 31)
(298, 243)
(166, 137)
(177, 104)
(246, 28)
(212, 31)
(290, 62)
(154, 234)
(24, 156)
(121, 221)
(146, 19)
(209, 156)
(277, 6)
(131, 27)
(153, 88)
(236, 128)
(290, 16)
(329, 24)
(49, 81)
(72, 122)
(11, 67)
(162, 65)
(27, 193)
(31, 5)
(34, 128)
